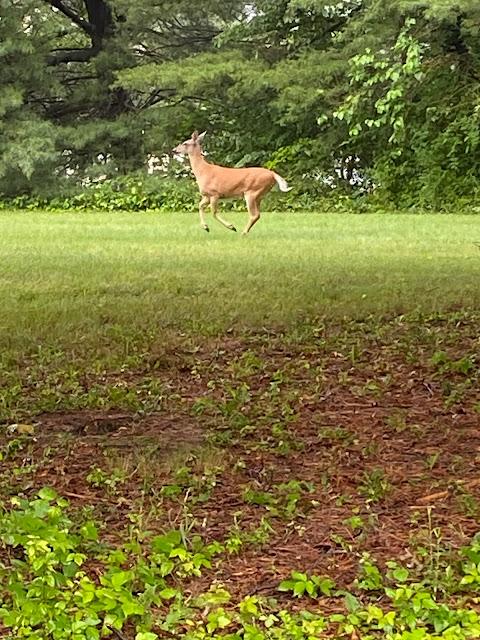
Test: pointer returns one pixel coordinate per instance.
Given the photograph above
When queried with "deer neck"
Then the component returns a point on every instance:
(197, 162)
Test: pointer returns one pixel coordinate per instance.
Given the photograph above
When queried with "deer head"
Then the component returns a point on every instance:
(188, 146)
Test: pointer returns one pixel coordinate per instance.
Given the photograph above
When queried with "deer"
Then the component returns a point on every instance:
(216, 182)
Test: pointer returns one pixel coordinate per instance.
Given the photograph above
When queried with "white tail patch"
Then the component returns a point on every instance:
(281, 182)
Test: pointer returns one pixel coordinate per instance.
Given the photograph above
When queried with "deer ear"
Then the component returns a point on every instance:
(195, 135)
(201, 136)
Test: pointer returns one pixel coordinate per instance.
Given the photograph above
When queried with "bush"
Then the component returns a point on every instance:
(140, 192)
(146, 193)
(126, 193)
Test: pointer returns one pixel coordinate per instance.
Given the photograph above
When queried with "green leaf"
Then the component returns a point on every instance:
(400, 574)
(351, 602)
(133, 608)
(296, 575)
(47, 494)
(89, 531)
(299, 589)
(167, 542)
(286, 585)
(120, 578)
(326, 585)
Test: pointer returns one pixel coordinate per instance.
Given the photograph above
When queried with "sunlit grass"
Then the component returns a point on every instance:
(81, 279)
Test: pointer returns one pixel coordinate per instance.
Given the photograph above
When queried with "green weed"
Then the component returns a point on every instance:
(375, 486)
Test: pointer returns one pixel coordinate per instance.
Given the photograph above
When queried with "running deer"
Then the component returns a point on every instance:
(216, 182)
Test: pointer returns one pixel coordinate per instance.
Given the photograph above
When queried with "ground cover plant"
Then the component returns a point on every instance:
(205, 436)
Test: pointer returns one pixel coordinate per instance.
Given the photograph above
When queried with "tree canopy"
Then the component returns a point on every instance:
(387, 91)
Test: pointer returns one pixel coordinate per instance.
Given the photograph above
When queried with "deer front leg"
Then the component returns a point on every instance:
(214, 207)
(201, 209)
(253, 201)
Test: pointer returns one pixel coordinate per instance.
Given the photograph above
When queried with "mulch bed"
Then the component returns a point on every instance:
(384, 408)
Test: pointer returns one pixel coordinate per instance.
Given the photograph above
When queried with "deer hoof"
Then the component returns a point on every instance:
(206, 229)
(232, 227)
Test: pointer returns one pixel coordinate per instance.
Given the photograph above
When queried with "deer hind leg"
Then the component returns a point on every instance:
(214, 207)
(201, 210)
(253, 206)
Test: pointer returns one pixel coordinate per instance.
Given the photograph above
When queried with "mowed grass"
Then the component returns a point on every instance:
(93, 278)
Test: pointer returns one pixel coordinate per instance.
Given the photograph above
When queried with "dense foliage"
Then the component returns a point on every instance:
(357, 95)
(46, 590)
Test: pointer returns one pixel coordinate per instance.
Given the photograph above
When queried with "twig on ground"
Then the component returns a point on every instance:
(117, 633)
(444, 494)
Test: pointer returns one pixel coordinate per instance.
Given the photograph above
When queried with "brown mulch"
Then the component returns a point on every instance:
(343, 418)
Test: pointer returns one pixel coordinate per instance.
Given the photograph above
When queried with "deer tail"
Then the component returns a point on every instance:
(281, 182)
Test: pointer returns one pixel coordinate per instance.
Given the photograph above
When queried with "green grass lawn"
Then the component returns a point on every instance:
(69, 278)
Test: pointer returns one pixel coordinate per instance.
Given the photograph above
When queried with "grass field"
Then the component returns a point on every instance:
(75, 278)
(210, 437)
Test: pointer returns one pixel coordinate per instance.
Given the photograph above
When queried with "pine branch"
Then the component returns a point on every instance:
(99, 26)
(88, 27)
(73, 55)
